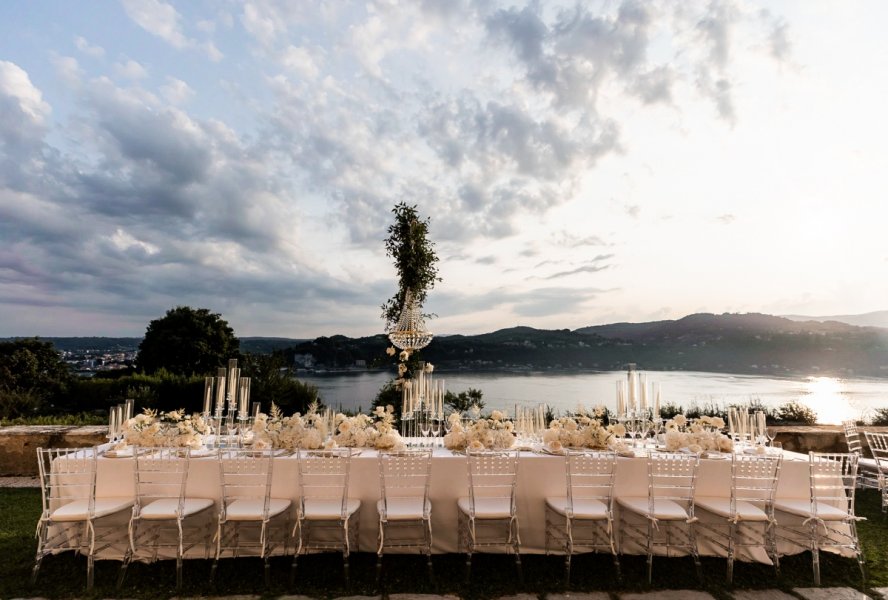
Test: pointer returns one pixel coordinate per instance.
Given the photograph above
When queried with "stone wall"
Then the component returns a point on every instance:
(18, 444)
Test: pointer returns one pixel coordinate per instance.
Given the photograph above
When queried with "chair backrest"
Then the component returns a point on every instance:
(323, 475)
(590, 475)
(493, 474)
(852, 436)
(878, 444)
(161, 473)
(672, 476)
(754, 480)
(66, 475)
(405, 474)
(245, 474)
(833, 480)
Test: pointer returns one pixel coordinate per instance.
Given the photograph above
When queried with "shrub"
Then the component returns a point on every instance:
(880, 417)
(796, 413)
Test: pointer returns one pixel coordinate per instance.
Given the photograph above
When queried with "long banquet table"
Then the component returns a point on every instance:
(539, 476)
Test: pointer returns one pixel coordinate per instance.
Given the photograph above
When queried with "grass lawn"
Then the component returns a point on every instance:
(64, 576)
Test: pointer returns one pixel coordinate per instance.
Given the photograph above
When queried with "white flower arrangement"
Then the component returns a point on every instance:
(173, 428)
(494, 433)
(583, 432)
(309, 432)
(698, 435)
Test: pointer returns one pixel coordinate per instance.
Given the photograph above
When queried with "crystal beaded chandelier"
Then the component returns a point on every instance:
(410, 332)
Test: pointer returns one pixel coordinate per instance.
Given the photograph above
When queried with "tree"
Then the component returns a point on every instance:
(271, 381)
(32, 374)
(414, 257)
(187, 341)
(464, 400)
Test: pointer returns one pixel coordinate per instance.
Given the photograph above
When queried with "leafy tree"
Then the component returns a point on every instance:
(272, 381)
(187, 341)
(32, 374)
(464, 400)
(414, 257)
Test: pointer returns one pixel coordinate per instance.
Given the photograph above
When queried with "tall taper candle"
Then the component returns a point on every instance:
(220, 389)
(208, 395)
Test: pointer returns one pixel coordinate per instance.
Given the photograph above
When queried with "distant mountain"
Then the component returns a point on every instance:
(733, 343)
(878, 318)
(258, 345)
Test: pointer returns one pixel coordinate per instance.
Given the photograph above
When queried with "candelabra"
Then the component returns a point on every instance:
(232, 395)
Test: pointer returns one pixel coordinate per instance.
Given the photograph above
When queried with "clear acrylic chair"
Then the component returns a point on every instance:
(867, 469)
(72, 518)
(827, 514)
(165, 521)
(405, 511)
(327, 519)
(747, 517)
(245, 477)
(665, 517)
(583, 521)
(878, 443)
(488, 516)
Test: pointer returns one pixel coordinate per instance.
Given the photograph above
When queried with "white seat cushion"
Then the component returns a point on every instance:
(664, 510)
(79, 509)
(746, 511)
(166, 508)
(252, 509)
(868, 464)
(403, 509)
(486, 508)
(583, 508)
(802, 508)
(328, 509)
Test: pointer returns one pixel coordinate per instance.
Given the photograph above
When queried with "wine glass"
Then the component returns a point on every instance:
(631, 425)
(425, 424)
(436, 428)
(770, 433)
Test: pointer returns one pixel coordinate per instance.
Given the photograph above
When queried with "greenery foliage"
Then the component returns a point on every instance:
(796, 413)
(414, 257)
(879, 417)
(187, 341)
(31, 374)
(272, 381)
(463, 401)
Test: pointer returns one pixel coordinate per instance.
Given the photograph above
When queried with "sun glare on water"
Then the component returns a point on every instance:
(826, 397)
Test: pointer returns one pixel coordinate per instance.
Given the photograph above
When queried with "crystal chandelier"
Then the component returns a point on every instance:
(410, 332)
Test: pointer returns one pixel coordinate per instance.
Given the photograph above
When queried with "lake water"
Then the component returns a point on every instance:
(833, 399)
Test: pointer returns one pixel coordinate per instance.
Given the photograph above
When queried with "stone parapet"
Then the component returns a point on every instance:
(19, 443)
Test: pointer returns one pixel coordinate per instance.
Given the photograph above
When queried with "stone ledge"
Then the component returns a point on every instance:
(19, 443)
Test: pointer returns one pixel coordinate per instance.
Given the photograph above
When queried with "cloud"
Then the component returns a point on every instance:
(593, 266)
(89, 49)
(164, 21)
(130, 70)
(570, 240)
(176, 91)
(727, 218)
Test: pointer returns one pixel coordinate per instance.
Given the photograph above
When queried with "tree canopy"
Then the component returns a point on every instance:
(187, 341)
(414, 257)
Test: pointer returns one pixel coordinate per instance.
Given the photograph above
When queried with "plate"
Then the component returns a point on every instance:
(122, 453)
(545, 450)
(203, 453)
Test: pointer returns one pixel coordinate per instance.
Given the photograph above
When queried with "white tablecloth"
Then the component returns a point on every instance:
(539, 476)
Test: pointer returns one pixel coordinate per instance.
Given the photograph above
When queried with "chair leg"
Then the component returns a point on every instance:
(121, 575)
(213, 570)
(650, 550)
(90, 571)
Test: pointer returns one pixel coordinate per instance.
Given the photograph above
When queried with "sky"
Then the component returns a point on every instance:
(580, 162)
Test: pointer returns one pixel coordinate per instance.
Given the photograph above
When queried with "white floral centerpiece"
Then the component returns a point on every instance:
(583, 431)
(373, 431)
(275, 430)
(493, 433)
(698, 435)
(173, 428)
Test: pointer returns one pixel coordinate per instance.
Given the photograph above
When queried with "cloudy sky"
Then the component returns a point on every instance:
(581, 162)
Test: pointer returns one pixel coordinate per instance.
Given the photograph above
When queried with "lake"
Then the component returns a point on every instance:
(833, 399)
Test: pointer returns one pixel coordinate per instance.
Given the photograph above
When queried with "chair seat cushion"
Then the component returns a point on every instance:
(251, 509)
(403, 509)
(167, 508)
(583, 508)
(79, 509)
(802, 508)
(328, 509)
(746, 511)
(486, 508)
(664, 510)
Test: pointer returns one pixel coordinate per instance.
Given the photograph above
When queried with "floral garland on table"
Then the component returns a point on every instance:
(698, 435)
(493, 433)
(309, 431)
(275, 430)
(583, 431)
(363, 431)
(173, 428)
